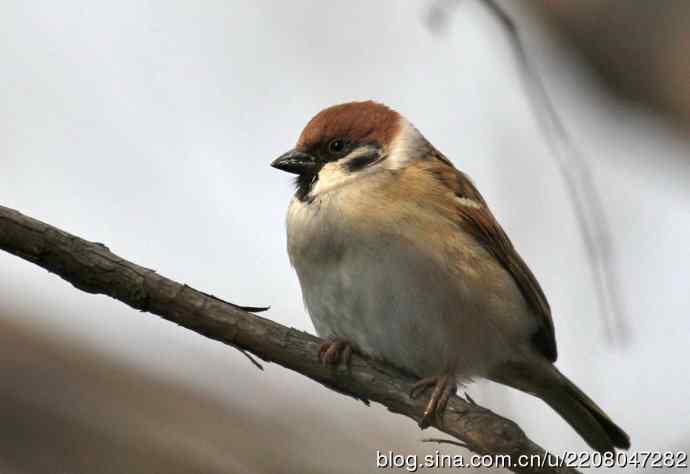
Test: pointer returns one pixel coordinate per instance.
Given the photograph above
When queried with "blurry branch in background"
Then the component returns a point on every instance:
(580, 186)
(91, 267)
(637, 50)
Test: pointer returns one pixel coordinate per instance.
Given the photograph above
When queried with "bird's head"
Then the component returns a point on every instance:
(347, 141)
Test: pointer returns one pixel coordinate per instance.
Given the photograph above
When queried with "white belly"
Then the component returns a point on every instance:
(394, 303)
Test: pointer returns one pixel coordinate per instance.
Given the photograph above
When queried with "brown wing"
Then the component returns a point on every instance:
(482, 225)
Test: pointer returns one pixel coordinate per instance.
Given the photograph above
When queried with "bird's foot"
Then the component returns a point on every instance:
(444, 387)
(334, 351)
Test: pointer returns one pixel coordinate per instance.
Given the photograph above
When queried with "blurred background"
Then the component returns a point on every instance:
(149, 126)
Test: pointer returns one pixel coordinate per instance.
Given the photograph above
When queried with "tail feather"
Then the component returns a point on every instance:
(543, 380)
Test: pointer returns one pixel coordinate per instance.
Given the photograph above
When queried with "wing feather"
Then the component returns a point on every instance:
(478, 221)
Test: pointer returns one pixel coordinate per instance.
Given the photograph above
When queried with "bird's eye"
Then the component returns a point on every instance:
(337, 146)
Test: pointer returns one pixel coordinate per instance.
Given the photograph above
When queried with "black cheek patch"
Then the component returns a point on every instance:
(362, 161)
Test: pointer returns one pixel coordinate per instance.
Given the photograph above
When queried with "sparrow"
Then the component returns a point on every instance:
(400, 258)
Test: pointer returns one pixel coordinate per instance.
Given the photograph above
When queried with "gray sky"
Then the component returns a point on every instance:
(149, 126)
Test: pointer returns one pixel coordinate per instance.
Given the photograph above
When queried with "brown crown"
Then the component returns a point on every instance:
(359, 122)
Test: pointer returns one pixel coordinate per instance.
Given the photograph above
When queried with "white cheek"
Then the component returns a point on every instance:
(407, 144)
(331, 176)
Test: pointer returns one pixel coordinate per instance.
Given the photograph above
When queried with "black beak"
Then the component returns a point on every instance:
(296, 162)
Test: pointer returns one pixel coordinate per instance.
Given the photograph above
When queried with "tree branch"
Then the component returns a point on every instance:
(91, 267)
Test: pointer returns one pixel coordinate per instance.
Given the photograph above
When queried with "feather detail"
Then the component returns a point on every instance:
(475, 218)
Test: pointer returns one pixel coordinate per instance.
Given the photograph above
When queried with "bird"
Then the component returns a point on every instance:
(399, 258)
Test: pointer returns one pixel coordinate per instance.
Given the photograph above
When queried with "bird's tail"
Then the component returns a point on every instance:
(543, 380)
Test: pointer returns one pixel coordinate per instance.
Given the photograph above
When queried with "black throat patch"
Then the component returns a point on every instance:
(305, 183)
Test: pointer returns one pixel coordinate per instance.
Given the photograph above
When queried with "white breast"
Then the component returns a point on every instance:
(391, 300)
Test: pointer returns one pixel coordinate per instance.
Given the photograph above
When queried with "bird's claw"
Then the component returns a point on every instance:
(443, 387)
(335, 350)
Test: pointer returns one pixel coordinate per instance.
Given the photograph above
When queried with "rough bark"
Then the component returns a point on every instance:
(91, 267)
